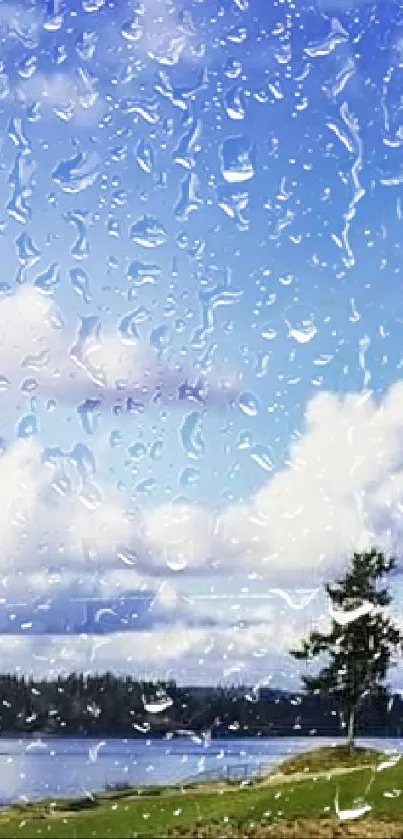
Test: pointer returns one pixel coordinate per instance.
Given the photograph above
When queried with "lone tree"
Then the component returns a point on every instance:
(358, 648)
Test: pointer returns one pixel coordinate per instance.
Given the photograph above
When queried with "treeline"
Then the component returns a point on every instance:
(124, 707)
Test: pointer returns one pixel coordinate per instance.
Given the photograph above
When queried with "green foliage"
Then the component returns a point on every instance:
(356, 653)
(107, 705)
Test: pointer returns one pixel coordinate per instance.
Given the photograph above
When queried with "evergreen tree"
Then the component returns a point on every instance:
(358, 648)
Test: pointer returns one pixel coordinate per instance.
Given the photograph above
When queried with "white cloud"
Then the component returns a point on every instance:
(340, 490)
(328, 500)
(37, 345)
(192, 654)
(161, 34)
(66, 95)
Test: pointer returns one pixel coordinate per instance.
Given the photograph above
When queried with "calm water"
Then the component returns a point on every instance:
(47, 767)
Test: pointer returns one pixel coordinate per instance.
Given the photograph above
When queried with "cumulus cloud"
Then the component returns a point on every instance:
(37, 346)
(189, 654)
(63, 535)
(340, 490)
(332, 496)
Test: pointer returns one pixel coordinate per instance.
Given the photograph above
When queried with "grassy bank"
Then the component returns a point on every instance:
(301, 807)
(329, 757)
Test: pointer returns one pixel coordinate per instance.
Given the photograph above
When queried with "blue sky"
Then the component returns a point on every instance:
(208, 194)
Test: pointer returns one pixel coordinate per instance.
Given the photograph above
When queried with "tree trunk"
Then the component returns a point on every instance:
(351, 728)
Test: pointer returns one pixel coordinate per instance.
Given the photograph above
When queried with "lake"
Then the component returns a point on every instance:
(71, 766)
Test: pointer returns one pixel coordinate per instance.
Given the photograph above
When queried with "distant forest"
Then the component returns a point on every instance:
(123, 707)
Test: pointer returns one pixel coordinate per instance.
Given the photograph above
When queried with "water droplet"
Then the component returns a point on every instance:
(263, 456)
(81, 352)
(176, 558)
(249, 404)
(160, 337)
(80, 248)
(86, 44)
(27, 253)
(36, 362)
(336, 36)
(237, 35)
(27, 66)
(61, 483)
(48, 281)
(189, 477)
(191, 435)
(323, 360)
(351, 813)
(127, 327)
(300, 323)
(77, 173)
(143, 273)
(156, 450)
(145, 156)
(54, 318)
(233, 68)
(268, 332)
(89, 412)
(262, 365)
(137, 450)
(345, 617)
(234, 103)
(4, 86)
(148, 232)
(92, 5)
(53, 22)
(113, 227)
(184, 151)
(146, 486)
(188, 200)
(27, 425)
(234, 202)
(157, 705)
(84, 460)
(21, 183)
(29, 385)
(91, 496)
(244, 440)
(80, 283)
(18, 135)
(237, 159)
(115, 439)
(132, 30)
(126, 555)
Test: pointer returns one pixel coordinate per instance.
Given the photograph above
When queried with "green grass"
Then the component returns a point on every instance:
(126, 814)
(329, 757)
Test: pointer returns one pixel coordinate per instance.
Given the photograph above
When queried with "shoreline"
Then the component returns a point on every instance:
(282, 770)
(186, 734)
(301, 799)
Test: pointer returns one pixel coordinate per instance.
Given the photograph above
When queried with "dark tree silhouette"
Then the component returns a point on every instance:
(358, 649)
